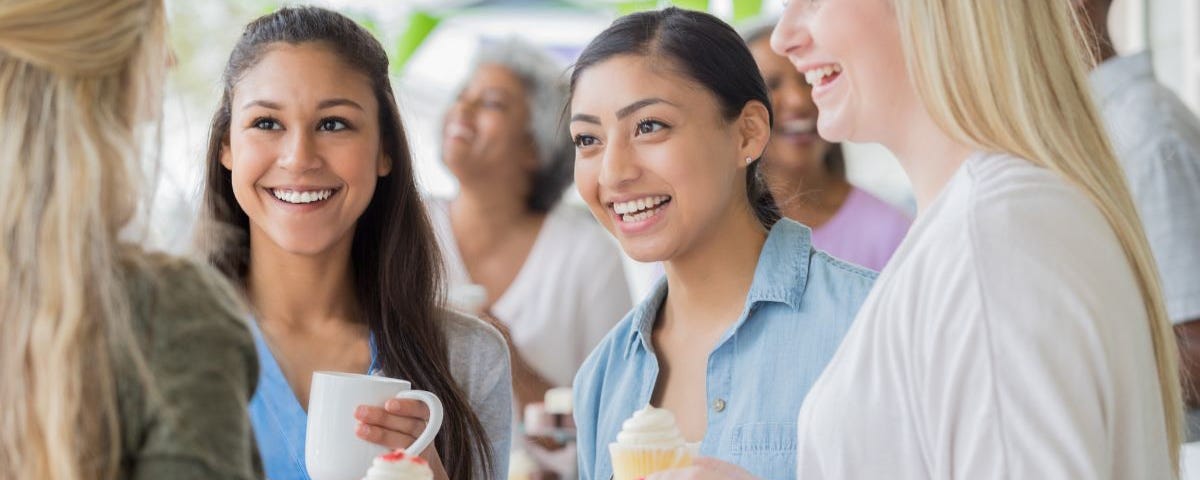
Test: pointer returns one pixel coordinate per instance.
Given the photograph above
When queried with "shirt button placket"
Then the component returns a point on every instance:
(718, 405)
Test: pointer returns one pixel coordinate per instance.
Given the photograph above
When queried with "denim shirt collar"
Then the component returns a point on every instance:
(780, 276)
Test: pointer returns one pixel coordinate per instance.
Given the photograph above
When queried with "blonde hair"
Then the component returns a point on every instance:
(76, 78)
(1019, 85)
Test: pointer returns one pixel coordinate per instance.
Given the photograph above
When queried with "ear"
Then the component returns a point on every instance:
(384, 165)
(754, 130)
(226, 157)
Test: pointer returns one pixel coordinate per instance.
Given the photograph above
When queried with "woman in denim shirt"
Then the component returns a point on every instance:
(670, 117)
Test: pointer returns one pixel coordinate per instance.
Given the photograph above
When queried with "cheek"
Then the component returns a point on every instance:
(250, 160)
(587, 178)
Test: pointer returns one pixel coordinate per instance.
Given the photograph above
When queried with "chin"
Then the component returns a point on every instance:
(304, 245)
(643, 252)
(833, 132)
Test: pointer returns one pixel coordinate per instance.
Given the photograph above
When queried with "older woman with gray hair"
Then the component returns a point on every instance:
(546, 274)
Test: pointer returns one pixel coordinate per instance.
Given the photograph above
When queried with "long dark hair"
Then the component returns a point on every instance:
(704, 49)
(396, 264)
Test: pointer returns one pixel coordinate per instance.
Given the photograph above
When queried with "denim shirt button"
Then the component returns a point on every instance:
(718, 405)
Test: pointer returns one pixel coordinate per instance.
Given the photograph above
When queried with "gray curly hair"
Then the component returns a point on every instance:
(546, 88)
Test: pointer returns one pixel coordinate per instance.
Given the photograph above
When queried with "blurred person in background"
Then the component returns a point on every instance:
(543, 271)
(117, 363)
(1157, 141)
(807, 174)
(310, 181)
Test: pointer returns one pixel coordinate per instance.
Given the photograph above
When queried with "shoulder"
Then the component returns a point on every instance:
(1013, 201)
(1034, 238)
(839, 279)
(878, 212)
(174, 293)
(470, 337)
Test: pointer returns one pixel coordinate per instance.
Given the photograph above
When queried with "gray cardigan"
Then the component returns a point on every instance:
(480, 364)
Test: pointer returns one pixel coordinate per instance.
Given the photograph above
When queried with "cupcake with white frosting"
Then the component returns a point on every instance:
(398, 465)
(649, 442)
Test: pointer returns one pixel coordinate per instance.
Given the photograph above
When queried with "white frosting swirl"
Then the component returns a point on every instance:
(650, 427)
(403, 469)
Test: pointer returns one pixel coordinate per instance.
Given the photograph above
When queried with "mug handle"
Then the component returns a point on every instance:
(435, 418)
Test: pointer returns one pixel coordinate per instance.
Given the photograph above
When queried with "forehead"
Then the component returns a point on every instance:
(497, 76)
(304, 72)
(609, 85)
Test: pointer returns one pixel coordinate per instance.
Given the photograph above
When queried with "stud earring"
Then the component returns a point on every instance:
(749, 160)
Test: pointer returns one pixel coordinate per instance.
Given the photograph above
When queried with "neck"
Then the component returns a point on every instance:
(485, 211)
(1102, 49)
(709, 283)
(929, 156)
(808, 195)
(300, 290)
(1101, 44)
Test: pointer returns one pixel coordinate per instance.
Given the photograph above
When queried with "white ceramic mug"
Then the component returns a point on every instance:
(332, 451)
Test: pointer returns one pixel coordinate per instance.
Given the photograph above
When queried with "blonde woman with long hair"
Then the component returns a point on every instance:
(116, 363)
(1019, 331)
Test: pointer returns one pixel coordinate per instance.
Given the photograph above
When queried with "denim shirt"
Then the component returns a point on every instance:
(800, 304)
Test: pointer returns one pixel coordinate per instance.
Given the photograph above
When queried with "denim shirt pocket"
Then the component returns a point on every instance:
(768, 450)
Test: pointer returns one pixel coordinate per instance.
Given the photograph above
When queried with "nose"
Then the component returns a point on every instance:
(300, 154)
(619, 166)
(792, 32)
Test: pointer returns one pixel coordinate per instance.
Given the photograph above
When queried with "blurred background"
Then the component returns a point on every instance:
(433, 41)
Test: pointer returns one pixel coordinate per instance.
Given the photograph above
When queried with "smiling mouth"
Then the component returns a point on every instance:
(302, 197)
(639, 209)
(823, 75)
(799, 126)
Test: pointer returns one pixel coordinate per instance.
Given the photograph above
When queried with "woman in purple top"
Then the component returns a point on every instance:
(807, 175)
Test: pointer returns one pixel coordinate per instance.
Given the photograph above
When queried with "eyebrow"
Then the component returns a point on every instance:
(623, 112)
(333, 102)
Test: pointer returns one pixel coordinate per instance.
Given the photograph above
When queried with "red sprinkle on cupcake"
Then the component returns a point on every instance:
(398, 455)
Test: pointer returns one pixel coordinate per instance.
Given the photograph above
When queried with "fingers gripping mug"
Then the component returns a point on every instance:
(332, 451)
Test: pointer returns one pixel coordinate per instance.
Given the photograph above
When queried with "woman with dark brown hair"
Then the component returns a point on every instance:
(309, 167)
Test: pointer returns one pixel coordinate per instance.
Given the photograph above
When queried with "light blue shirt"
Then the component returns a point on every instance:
(800, 304)
(479, 363)
(279, 421)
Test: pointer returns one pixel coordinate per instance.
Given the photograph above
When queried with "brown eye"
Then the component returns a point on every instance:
(649, 126)
(585, 141)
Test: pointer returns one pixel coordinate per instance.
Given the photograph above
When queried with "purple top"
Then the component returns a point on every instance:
(865, 231)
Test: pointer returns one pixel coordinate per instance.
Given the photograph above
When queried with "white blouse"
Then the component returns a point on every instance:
(568, 294)
(1006, 339)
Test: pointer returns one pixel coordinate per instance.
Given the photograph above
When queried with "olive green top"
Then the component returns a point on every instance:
(192, 422)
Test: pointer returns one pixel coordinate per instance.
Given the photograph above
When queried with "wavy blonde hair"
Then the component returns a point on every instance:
(76, 79)
(1019, 85)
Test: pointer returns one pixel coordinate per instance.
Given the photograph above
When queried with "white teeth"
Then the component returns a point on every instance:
(800, 125)
(815, 75)
(292, 196)
(644, 203)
